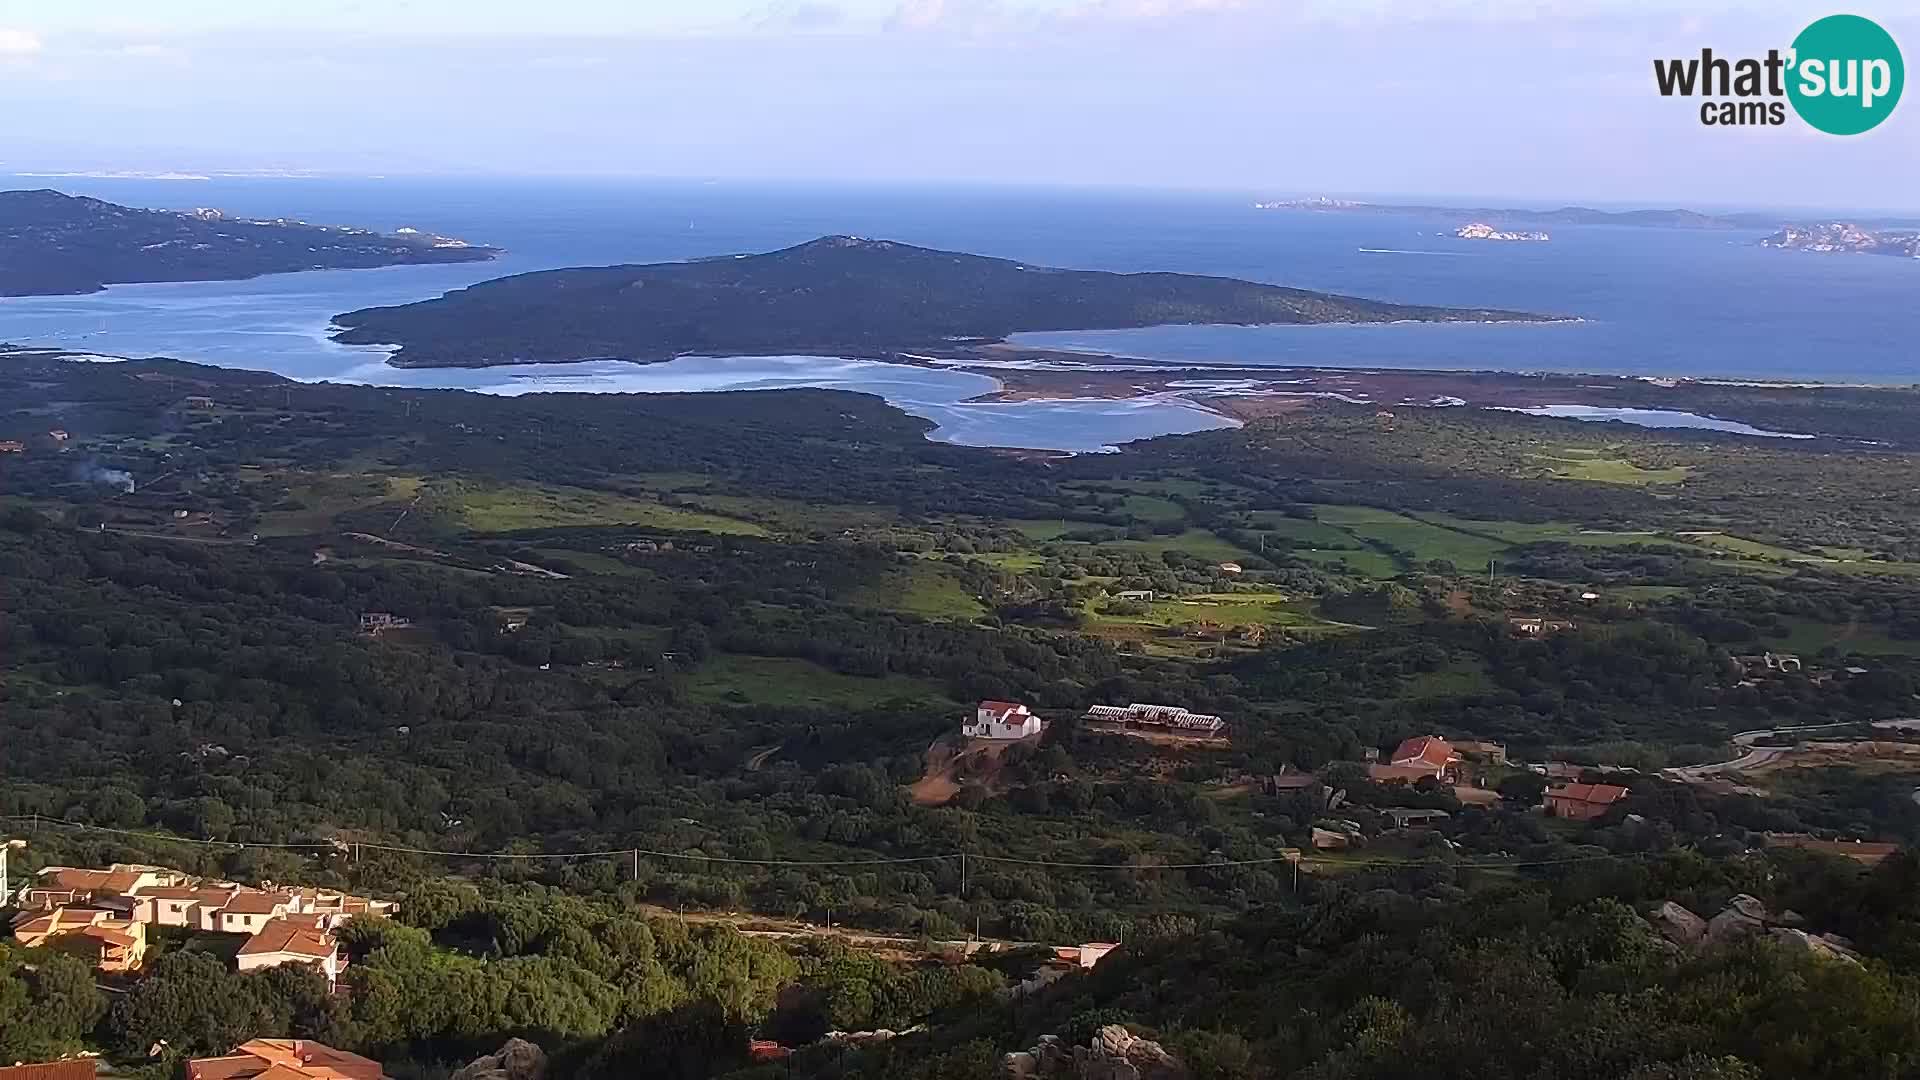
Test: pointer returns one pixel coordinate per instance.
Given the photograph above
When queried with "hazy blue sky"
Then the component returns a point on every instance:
(1546, 99)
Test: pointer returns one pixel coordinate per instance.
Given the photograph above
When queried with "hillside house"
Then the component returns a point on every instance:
(71, 1069)
(249, 912)
(1428, 753)
(1492, 753)
(285, 1059)
(1170, 717)
(1399, 774)
(196, 907)
(1771, 663)
(12, 446)
(58, 435)
(121, 944)
(373, 622)
(1406, 816)
(58, 886)
(1582, 802)
(1142, 595)
(297, 940)
(1001, 720)
(1231, 568)
(1538, 625)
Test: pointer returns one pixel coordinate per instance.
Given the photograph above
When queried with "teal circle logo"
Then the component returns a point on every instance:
(1847, 75)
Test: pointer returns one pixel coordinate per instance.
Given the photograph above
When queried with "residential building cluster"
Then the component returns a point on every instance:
(1168, 717)
(114, 907)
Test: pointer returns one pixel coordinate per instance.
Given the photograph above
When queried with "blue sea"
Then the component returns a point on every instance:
(1652, 301)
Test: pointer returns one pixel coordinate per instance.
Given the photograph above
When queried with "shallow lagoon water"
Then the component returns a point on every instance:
(1656, 301)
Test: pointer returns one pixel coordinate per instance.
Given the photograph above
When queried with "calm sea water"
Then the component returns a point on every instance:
(1655, 301)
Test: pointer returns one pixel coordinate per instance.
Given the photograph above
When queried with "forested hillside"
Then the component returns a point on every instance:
(589, 683)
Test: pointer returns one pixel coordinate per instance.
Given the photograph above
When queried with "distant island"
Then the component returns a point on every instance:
(1521, 218)
(1845, 237)
(1480, 230)
(838, 295)
(56, 244)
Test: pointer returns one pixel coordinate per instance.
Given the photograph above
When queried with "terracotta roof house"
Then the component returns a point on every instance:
(60, 885)
(285, 1059)
(1428, 752)
(1583, 802)
(297, 940)
(75, 1069)
(1001, 720)
(249, 910)
(1402, 774)
(122, 943)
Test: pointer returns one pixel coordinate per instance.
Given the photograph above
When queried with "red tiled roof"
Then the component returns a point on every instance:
(1382, 774)
(254, 903)
(81, 1069)
(111, 937)
(1596, 794)
(289, 936)
(1002, 708)
(297, 1057)
(1429, 750)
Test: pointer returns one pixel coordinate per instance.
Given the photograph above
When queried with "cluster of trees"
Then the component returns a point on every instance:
(1436, 975)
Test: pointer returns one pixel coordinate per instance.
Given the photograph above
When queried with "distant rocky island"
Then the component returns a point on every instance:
(54, 244)
(1480, 230)
(1523, 219)
(1845, 237)
(838, 295)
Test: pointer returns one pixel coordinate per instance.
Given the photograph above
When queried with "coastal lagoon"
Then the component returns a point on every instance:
(1652, 301)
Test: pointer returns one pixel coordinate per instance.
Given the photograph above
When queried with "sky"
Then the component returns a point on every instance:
(1540, 100)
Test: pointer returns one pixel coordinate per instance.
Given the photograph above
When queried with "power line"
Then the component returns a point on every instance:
(877, 860)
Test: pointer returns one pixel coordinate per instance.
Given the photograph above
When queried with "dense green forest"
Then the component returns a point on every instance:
(831, 295)
(727, 639)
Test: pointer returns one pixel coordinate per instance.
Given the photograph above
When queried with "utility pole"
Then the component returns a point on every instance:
(636, 864)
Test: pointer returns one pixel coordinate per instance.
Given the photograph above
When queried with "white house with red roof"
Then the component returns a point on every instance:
(1001, 720)
(1430, 754)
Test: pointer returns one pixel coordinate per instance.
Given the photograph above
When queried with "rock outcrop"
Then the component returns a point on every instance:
(517, 1059)
(1678, 925)
(1114, 1053)
(1743, 917)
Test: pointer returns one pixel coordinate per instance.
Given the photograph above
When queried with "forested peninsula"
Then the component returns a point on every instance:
(54, 244)
(837, 295)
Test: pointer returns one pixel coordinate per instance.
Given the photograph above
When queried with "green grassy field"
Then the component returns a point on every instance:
(1580, 463)
(1196, 542)
(323, 497)
(1367, 563)
(1425, 540)
(536, 506)
(1808, 637)
(793, 516)
(920, 588)
(771, 680)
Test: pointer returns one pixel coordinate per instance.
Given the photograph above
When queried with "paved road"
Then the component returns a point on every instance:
(1753, 756)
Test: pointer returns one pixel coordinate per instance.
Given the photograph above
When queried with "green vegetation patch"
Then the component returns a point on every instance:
(920, 588)
(540, 506)
(777, 680)
(1421, 540)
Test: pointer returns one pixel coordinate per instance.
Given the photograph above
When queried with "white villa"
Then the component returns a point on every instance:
(1001, 720)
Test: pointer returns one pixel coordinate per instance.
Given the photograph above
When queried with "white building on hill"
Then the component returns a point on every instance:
(1001, 720)
(1171, 717)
